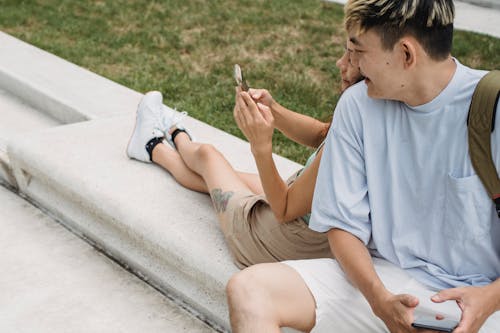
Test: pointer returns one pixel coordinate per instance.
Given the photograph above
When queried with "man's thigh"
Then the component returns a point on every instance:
(340, 307)
(492, 325)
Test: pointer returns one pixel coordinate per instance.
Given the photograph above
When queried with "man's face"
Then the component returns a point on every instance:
(383, 69)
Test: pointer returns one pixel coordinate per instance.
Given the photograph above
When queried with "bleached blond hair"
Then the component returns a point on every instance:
(429, 21)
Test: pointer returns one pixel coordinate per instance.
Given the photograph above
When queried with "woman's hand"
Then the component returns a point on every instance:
(256, 122)
(261, 96)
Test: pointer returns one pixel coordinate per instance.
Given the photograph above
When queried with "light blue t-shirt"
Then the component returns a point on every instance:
(401, 180)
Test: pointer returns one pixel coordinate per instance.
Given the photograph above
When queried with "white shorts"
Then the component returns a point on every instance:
(340, 307)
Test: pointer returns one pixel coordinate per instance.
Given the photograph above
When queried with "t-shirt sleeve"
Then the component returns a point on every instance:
(341, 195)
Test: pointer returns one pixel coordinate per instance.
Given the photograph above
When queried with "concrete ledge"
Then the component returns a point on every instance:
(65, 91)
(135, 212)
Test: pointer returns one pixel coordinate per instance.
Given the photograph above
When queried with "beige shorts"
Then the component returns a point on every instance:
(255, 236)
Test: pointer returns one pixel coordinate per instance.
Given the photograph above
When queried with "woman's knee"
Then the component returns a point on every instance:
(207, 152)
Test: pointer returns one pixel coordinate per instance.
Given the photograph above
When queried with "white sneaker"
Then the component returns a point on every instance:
(173, 118)
(148, 125)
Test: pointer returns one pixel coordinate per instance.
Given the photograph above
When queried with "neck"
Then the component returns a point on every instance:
(429, 81)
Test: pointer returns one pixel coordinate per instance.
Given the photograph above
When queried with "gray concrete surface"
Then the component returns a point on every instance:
(485, 3)
(54, 282)
(17, 118)
(59, 88)
(135, 212)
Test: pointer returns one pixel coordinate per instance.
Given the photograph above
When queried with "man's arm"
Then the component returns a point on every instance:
(395, 310)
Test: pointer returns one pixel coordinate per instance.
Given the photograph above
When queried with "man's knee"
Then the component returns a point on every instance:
(270, 295)
(246, 295)
(239, 288)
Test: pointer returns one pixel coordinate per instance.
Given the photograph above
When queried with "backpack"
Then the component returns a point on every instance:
(481, 123)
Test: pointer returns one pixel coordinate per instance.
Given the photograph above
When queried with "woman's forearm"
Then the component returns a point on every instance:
(298, 127)
(275, 189)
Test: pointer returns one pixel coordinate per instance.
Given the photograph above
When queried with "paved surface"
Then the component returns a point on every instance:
(485, 3)
(52, 281)
(472, 17)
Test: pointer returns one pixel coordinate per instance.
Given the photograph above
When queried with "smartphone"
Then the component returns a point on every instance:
(240, 80)
(431, 323)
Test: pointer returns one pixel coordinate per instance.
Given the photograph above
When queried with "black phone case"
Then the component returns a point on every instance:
(430, 327)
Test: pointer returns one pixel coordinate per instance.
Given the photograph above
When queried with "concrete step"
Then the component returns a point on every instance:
(57, 87)
(52, 281)
(17, 118)
(133, 212)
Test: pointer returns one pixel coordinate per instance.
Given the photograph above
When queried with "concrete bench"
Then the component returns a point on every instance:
(134, 212)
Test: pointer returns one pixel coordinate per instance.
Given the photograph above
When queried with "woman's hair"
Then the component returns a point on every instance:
(430, 22)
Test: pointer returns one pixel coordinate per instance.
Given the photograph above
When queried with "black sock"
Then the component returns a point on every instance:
(176, 132)
(151, 145)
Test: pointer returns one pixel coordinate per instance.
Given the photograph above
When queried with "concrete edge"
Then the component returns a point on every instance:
(41, 99)
(64, 90)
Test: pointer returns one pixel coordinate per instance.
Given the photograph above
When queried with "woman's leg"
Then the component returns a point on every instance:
(252, 180)
(221, 179)
(170, 160)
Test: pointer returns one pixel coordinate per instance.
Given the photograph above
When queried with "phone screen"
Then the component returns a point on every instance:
(443, 325)
(240, 80)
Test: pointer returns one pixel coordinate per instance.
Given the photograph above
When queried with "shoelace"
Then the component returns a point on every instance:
(164, 122)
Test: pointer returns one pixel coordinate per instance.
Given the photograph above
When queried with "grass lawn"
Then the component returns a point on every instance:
(186, 49)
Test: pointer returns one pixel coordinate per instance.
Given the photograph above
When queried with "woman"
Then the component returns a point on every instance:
(263, 218)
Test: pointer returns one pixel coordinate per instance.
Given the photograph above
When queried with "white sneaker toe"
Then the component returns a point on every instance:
(148, 126)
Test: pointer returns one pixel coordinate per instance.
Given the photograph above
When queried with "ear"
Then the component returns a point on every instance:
(409, 52)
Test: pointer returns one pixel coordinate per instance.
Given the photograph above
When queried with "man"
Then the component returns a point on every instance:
(406, 216)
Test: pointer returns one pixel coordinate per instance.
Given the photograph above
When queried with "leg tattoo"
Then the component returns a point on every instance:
(220, 199)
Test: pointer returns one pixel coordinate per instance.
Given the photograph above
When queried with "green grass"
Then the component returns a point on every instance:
(187, 49)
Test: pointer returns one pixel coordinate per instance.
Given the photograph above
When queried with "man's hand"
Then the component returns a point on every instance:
(476, 303)
(396, 311)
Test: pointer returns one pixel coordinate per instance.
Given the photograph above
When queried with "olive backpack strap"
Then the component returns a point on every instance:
(481, 123)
